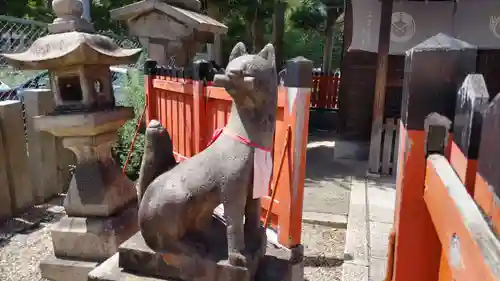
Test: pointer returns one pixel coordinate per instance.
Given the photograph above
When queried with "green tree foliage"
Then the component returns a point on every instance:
(303, 33)
(250, 21)
(31, 9)
(310, 15)
(41, 10)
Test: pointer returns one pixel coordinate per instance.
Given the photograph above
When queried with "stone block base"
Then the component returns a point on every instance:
(278, 265)
(136, 256)
(111, 271)
(56, 269)
(95, 238)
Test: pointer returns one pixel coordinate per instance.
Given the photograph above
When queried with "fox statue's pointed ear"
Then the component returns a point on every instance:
(268, 54)
(238, 51)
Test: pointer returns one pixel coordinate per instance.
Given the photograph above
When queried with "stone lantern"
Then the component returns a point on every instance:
(170, 28)
(100, 202)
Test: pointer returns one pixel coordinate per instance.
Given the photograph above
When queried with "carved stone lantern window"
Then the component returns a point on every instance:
(76, 58)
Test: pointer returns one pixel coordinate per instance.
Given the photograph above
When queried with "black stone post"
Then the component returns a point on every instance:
(150, 67)
(487, 187)
(201, 72)
(150, 70)
(472, 101)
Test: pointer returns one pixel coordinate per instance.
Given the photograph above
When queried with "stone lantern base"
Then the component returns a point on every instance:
(101, 201)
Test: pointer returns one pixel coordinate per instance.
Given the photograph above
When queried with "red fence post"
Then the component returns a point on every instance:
(298, 81)
(150, 99)
(201, 69)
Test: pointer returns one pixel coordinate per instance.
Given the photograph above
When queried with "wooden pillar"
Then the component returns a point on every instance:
(332, 14)
(434, 71)
(384, 39)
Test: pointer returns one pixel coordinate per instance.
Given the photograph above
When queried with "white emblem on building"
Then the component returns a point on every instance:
(494, 20)
(402, 27)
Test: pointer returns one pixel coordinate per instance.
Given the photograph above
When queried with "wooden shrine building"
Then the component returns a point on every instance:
(377, 35)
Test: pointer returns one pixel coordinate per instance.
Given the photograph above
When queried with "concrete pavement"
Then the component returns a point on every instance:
(370, 220)
(328, 181)
(337, 195)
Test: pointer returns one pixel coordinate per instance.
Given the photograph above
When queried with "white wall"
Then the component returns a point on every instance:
(475, 21)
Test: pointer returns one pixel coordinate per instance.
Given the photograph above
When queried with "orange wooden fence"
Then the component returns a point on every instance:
(325, 90)
(191, 111)
(446, 222)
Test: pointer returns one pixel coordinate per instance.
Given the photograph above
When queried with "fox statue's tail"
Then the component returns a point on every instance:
(158, 156)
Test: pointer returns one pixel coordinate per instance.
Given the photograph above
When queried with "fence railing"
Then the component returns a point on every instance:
(192, 111)
(324, 94)
(447, 217)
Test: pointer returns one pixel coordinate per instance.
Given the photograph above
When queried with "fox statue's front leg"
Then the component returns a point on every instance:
(234, 198)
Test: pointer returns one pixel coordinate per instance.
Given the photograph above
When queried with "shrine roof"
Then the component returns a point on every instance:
(194, 19)
(72, 48)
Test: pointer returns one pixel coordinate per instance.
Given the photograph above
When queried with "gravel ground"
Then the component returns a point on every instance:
(324, 252)
(25, 241)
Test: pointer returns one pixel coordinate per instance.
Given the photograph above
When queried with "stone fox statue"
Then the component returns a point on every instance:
(182, 200)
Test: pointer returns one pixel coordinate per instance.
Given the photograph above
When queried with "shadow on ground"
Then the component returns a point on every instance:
(32, 219)
(321, 164)
(322, 261)
(328, 180)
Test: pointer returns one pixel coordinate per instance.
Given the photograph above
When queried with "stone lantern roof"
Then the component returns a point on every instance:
(186, 12)
(73, 42)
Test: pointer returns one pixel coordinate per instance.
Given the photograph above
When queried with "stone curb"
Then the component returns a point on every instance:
(356, 251)
(325, 219)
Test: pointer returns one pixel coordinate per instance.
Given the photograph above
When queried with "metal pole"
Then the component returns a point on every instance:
(86, 9)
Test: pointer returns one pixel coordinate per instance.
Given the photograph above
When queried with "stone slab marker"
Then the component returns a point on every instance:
(5, 200)
(487, 184)
(472, 101)
(11, 121)
(42, 146)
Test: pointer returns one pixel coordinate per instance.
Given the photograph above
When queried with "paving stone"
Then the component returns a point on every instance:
(65, 269)
(378, 269)
(326, 197)
(381, 203)
(356, 248)
(326, 219)
(379, 239)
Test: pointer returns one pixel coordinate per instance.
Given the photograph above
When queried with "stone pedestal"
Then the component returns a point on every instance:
(136, 261)
(101, 201)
